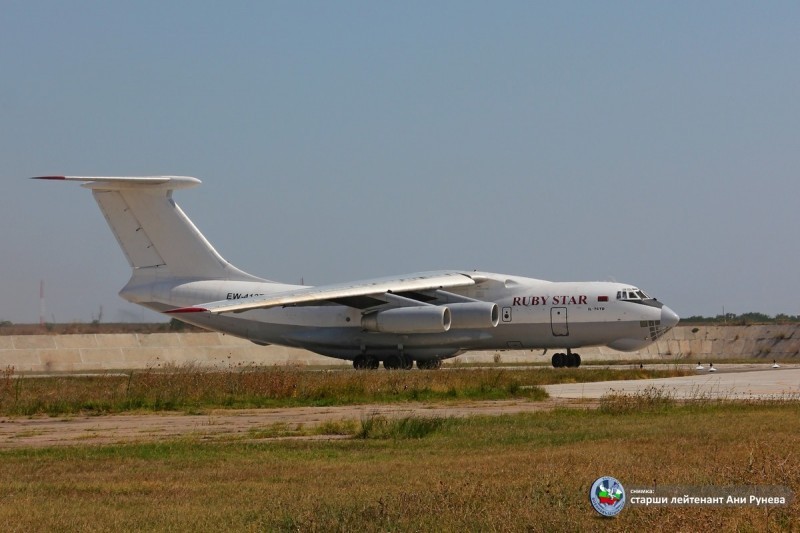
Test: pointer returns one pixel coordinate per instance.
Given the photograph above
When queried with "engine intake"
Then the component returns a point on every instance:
(422, 319)
(474, 315)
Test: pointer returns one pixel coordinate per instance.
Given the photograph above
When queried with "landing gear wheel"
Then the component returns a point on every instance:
(393, 362)
(573, 360)
(566, 360)
(372, 363)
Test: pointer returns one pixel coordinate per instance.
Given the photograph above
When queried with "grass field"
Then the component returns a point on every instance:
(526, 472)
(507, 473)
(191, 388)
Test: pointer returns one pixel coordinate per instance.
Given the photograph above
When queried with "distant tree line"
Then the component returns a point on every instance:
(732, 319)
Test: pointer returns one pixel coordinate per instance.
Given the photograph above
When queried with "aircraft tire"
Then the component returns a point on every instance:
(372, 363)
(360, 362)
(577, 360)
(558, 360)
(406, 363)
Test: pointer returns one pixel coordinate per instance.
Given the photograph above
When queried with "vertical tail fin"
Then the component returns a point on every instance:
(153, 232)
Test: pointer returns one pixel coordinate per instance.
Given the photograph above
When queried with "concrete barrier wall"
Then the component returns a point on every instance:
(123, 351)
(93, 352)
(731, 342)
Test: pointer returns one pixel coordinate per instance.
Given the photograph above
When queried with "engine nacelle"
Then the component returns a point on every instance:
(474, 315)
(422, 319)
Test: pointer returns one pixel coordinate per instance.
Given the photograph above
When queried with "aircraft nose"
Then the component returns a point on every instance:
(668, 317)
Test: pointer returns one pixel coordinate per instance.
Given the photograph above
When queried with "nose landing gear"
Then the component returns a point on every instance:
(566, 360)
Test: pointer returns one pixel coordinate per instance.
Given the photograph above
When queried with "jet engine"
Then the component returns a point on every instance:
(418, 319)
(474, 315)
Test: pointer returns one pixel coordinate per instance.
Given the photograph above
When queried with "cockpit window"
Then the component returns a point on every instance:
(633, 295)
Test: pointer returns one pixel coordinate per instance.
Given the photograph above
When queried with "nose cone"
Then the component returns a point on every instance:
(668, 317)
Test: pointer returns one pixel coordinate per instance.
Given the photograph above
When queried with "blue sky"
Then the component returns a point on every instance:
(651, 143)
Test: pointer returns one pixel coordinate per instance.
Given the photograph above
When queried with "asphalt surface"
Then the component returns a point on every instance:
(734, 382)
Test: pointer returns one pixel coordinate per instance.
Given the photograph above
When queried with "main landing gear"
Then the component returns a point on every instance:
(430, 364)
(568, 360)
(393, 362)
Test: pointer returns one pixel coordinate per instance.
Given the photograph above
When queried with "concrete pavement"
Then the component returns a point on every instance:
(740, 384)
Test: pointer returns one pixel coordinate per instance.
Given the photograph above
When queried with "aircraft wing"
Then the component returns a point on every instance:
(326, 293)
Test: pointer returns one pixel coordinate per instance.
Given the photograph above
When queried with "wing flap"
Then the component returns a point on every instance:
(375, 287)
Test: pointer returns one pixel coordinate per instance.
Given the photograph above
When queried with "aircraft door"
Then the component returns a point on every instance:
(558, 321)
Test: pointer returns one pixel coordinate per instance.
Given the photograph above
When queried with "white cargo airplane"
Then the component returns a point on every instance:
(424, 317)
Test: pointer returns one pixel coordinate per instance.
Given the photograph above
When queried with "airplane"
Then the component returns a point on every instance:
(424, 317)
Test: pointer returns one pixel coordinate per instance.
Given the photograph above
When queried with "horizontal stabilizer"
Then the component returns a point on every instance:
(157, 237)
(113, 183)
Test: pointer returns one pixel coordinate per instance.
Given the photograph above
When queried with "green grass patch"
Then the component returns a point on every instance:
(412, 427)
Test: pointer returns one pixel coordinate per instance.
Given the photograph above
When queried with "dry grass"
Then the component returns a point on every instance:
(511, 473)
(190, 387)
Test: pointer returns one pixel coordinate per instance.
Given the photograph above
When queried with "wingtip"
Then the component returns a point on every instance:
(187, 310)
(49, 178)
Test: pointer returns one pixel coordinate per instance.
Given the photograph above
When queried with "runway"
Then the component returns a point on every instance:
(742, 382)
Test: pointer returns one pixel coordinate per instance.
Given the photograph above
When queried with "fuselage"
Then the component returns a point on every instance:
(534, 314)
